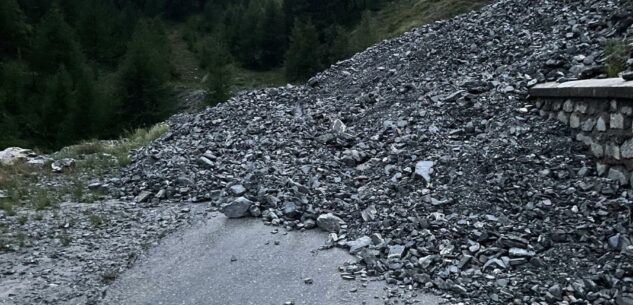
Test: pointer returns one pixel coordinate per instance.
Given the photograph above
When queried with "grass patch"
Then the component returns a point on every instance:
(20, 183)
(43, 199)
(7, 207)
(244, 79)
(400, 16)
(108, 277)
(105, 155)
(96, 220)
(616, 53)
(65, 239)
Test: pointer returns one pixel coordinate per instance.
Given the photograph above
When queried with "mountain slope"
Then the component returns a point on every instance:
(512, 211)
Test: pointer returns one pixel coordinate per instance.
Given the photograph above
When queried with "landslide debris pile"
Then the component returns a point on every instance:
(424, 156)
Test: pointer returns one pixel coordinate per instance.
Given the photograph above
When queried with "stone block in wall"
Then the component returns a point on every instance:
(628, 110)
(543, 113)
(619, 174)
(613, 106)
(574, 120)
(581, 107)
(581, 137)
(601, 168)
(568, 105)
(612, 150)
(587, 125)
(616, 121)
(556, 105)
(626, 150)
(563, 117)
(597, 150)
(601, 123)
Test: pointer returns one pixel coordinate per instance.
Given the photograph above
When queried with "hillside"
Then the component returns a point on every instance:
(424, 145)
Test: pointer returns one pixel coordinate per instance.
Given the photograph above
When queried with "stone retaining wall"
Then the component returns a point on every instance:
(601, 114)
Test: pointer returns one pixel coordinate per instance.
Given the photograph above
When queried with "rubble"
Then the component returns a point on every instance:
(516, 212)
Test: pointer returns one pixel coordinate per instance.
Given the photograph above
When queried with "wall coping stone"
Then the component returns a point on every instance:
(589, 88)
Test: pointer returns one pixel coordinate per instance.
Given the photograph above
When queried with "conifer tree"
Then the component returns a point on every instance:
(365, 34)
(55, 44)
(13, 28)
(303, 59)
(143, 90)
(340, 48)
(219, 77)
(274, 41)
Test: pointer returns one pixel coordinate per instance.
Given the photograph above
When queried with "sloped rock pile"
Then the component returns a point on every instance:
(424, 157)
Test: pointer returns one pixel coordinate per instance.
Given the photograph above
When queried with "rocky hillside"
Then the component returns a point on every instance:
(437, 171)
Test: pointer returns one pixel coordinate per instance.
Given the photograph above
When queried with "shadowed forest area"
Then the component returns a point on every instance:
(81, 69)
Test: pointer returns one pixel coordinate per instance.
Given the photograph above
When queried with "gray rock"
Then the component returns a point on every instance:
(338, 126)
(520, 252)
(627, 149)
(356, 245)
(143, 196)
(424, 169)
(238, 189)
(329, 223)
(59, 166)
(619, 174)
(556, 292)
(624, 298)
(396, 251)
(237, 208)
(13, 155)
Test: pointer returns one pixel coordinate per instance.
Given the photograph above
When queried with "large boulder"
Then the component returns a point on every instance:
(329, 223)
(237, 208)
(13, 155)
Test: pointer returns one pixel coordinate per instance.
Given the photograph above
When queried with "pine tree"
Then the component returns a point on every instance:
(98, 29)
(219, 77)
(274, 42)
(55, 44)
(365, 34)
(13, 28)
(143, 90)
(340, 48)
(14, 87)
(248, 48)
(53, 128)
(303, 58)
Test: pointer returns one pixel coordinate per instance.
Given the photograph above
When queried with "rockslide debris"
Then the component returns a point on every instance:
(512, 212)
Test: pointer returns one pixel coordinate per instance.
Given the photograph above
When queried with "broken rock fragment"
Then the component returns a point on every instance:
(237, 208)
(329, 223)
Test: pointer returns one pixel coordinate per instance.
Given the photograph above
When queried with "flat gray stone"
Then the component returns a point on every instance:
(424, 169)
(591, 88)
(626, 150)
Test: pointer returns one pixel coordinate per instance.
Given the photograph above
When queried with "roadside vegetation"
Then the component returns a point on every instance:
(39, 188)
(616, 53)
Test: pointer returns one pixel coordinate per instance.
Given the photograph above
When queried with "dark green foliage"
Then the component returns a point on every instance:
(101, 32)
(81, 69)
(145, 97)
(219, 77)
(13, 28)
(55, 44)
(303, 58)
(365, 33)
(274, 41)
(66, 86)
